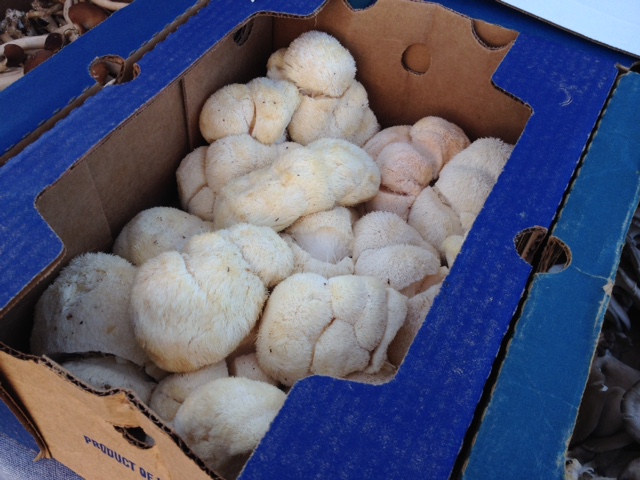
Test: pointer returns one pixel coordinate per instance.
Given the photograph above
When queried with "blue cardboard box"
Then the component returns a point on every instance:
(33, 103)
(534, 403)
(73, 189)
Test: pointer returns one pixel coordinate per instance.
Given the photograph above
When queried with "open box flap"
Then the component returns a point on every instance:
(417, 422)
(535, 402)
(34, 99)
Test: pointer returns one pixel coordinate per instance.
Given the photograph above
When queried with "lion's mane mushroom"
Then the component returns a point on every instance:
(333, 103)
(172, 391)
(107, 372)
(318, 64)
(322, 242)
(224, 420)
(467, 179)
(262, 108)
(337, 326)
(410, 157)
(85, 309)
(348, 117)
(192, 309)
(203, 172)
(247, 366)
(157, 230)
(305, 180)
(434, 220)
(387, 248)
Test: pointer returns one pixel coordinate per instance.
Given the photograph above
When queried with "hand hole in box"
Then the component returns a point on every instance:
(113, 70)
(416, 58)
(136, 436)
(241, 35)
(545, 254)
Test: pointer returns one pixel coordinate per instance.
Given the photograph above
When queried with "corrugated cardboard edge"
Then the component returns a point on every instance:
(531, 415)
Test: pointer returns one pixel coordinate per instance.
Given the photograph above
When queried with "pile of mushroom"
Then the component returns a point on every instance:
(606, 439)
(28, 38)
(297, 251)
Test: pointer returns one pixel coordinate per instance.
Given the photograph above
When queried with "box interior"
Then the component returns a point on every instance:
(134, 167)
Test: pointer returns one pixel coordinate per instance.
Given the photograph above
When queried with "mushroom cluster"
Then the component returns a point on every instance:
(297, 251)
(606, 437)
(28, 38)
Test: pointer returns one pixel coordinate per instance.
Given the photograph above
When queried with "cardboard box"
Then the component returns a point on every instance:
(33, 104)
(534, 403)
(74, 188)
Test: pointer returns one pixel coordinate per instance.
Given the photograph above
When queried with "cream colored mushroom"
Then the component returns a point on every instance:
(322, 242)
(405, 170)
(203, 172)
(172, 391)
(194, 308)
(328, 172)
(223, 421)
(262, 108)
(247, 366)
(157, 230)
(348, 117)
(85, 309)
(313, 325)
(434, 219)
(439, 138)
(397, 133)
(387, 248)
(318, 64)
(467, 180)
(107, 372)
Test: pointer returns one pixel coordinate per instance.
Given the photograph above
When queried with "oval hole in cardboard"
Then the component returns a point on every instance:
(416, 58)
(241, 35)
(113, 70)
(136, 436)
(547, 254)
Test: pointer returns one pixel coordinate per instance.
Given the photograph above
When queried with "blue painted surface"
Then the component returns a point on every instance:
(534, 406)
(35, 98)
(415, 425)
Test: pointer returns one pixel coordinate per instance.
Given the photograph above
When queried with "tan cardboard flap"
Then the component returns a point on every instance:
(457, 84)
(81, 430)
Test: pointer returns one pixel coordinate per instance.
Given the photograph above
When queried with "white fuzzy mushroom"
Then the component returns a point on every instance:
(313, 325)
(247, 366)
(467, 179)
(157, 230)
(433, 219)
(262, 108)
(397, 133)
(387, 248)
(439, 138)
(85, 309)
(202, 173)
(107, 372)
(223, 421)
(348, 117)
(328, 172)
(194, 308)
(317, 64)
(172, 391)
(322, 242)
(228, 111)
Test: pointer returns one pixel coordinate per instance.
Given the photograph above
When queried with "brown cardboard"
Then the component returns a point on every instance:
(134, 168)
